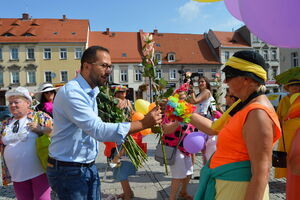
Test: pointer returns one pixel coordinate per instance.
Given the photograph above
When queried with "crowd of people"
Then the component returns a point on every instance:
(238, 145)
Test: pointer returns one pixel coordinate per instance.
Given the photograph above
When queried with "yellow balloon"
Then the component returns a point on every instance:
(207, 1)
(141, 106)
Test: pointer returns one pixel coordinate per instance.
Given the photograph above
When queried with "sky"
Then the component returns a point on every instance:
(168, 16)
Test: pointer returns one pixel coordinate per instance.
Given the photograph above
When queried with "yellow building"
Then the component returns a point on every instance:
(33, 51)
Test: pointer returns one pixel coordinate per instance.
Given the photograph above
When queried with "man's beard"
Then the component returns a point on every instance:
(98, 81)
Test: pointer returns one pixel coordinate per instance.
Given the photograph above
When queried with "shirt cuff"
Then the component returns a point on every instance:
(123, 131)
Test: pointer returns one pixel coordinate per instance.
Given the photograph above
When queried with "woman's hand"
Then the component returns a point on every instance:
(34, 127)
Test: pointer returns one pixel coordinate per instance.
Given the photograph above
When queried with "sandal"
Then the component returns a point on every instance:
(185, 196)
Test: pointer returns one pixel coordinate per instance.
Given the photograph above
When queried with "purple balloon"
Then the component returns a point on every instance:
(194, 142)
(273, 21)
(233, 7)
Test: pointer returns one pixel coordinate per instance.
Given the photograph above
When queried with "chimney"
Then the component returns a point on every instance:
(155, 31)
(25, 16)
(107, 31)
(64, 18)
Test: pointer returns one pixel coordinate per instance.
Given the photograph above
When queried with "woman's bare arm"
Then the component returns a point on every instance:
(203, 124)
(202, 97)
(258, 134)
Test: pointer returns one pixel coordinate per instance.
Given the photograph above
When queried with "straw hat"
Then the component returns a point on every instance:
(45, 87)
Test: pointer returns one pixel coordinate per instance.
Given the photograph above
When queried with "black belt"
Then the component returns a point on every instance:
(70, 164)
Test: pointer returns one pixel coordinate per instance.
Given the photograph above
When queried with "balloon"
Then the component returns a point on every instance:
(137, 116)
(146, 132)
(207, 1)
(141, 106)
(274, 21)
(234, 9)
(151, 106)
(194, 142)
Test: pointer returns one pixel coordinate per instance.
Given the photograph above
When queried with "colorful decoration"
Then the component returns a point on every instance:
(179, 110)
(183, 88)
(234, 9)
(194, 142)
(273, 21)
(120, 88)
(141, 106)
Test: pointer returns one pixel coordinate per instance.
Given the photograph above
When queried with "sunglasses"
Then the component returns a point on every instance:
(230, 75)
(16, 127)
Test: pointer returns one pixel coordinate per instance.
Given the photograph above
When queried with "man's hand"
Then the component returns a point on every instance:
(152, 118)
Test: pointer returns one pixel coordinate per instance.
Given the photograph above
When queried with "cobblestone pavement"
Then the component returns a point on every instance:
(151, 181)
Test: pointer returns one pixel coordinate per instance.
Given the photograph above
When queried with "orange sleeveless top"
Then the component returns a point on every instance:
(231, 146)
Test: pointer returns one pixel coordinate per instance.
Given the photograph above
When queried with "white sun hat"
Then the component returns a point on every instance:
(19, 91)
(44, 87)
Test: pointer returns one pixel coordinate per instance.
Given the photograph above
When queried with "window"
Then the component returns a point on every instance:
(171, 57)
(15, 77)
(138, 75)
(266, 55)
(274, 72)
(1, 78)
(30, 53)
(1, 57)
(78, 53)
(213, 73)
(295, 62)
(158, 57)
(173, 73)
(124, 55)
(47, 53)
(63, 53)
(123, 75)
(14, 54)
(257, 51)
(158, 73)
(31, 78)
(110, 78)
(64, 76)
(255, 38)
(226, 55)
(274, 54)
(48, 77)
(201, 72)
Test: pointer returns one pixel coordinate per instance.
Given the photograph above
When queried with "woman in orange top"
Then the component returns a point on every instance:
(240, 167)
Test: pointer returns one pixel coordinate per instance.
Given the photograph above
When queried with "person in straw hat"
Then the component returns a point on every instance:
(45, 96)
(289, 126)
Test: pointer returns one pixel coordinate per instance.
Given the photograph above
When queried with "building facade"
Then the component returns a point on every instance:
(33, 51)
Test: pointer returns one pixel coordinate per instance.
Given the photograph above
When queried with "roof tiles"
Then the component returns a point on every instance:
(43, 30)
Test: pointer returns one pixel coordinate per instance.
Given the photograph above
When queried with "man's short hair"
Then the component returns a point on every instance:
(89, 55)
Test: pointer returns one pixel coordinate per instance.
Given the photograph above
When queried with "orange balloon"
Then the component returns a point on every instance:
(146, 131)
(151, 106)
(137, 116)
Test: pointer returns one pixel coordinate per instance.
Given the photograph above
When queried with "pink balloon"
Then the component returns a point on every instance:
(234, 9)
(194, 142)
(273, 21)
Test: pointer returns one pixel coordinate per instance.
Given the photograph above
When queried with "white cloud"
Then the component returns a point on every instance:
(229, 25)
(190, 10)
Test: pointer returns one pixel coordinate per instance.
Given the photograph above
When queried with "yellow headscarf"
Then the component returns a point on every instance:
(244, 65)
